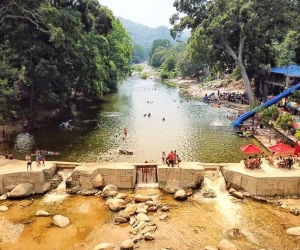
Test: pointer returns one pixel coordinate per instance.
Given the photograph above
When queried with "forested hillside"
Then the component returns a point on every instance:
(143, 37)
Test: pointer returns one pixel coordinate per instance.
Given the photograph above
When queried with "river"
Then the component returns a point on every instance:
(197, 131)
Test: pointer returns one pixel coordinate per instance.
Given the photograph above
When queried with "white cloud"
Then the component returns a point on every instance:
(152, 13)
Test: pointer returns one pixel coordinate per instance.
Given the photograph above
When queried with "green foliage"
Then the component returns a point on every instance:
(297, 135)
(144, 75)
(138, 68)
(284, 121)
(74, 47)
(269, 114)
(236, 74)
(138, 54)
(164, 75)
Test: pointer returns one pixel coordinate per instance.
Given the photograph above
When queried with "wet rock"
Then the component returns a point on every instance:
(226, 245)
(42, 213)
(294, 211)
(293, 231)
(235, 233)
(98, 193)
(3, 197)
(60, 221)
(149, 236)
(189, 191)
(130, 209)
(127, 244)
(164, 209)
(238, 195)
(180, 195)
(97, 181)
(163, 216)
(259, 198)
(109, 191)
(142, 198)
(21, 190)
(152, 209)
(231, 190)
(105, 246)
(172, 186)
(120, 219)
(89, 192)
(115, 204)
(283, 206)
(210, 248)
(3, 208)
(142, 217)
(132, 221)
(73, 190)
(208, 193)
(124, 214)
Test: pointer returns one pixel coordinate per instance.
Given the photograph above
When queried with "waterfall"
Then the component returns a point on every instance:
(59, 194)
(214, 182)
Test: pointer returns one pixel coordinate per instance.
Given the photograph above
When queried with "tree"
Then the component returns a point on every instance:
(158, 44)
(284, 121)
(138, 54)
(231, 26)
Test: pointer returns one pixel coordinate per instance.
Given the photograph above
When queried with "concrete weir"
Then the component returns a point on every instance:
(87, 178)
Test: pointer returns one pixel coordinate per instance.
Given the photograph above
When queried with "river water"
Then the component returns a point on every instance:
(197, 131)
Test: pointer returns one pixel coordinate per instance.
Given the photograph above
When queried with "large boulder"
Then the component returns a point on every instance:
(60, 221)
(105, 246)
(172, 186)
(109, 191)
(3, 197)
(238, 195)
(97, 181)
(21, 190)
(180, 195)
(293, 231)
(226, 245)
(115, 204)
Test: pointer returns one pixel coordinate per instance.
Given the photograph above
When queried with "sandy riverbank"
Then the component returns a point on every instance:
(198, 90)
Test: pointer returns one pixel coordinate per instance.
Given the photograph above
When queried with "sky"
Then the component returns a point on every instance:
(152, 13)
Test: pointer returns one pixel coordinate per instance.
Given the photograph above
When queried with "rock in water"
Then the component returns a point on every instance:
(42, 213)
(109, 191)
(60, 221)
(127, 244)
(293, 231)
(3, 208)
(105, 246)
(180, 195)
(115, 204)
(226, 245)
(142, 198)
(142, 217)
(97, 181)
(21, 190)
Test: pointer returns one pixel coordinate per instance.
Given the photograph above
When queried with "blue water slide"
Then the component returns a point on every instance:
(208, 97)
(267, 104)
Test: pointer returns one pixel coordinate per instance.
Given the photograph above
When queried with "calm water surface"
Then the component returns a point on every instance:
(197, 131)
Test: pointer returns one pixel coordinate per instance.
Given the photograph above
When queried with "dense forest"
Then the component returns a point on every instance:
(52, 51)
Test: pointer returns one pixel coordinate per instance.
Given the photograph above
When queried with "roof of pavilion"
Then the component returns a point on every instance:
(291, 70)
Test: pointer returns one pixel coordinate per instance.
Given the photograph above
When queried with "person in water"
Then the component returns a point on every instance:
(66, 125)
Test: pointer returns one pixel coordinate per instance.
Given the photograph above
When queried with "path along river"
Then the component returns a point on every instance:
(197, 131)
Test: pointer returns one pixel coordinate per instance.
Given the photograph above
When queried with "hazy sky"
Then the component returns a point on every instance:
(152, 13)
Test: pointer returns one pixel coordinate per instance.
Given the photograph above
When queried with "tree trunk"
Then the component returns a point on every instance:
(247, 83)
(241, 65)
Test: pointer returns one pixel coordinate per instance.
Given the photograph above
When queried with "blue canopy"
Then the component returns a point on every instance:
(291, 70)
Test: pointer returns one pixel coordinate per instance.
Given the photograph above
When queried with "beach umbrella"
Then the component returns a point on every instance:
(250, 149)
(281, 148)
(297, 126)
(292, 104)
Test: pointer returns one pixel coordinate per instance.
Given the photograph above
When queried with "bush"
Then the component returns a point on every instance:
(138, 68)
(144, 75)
(297, 135)
(164, 75)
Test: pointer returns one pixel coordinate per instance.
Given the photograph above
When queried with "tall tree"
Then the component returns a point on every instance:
(232, 24)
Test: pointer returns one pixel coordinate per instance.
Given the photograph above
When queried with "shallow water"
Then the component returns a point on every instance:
(197, 131)
(190, 225)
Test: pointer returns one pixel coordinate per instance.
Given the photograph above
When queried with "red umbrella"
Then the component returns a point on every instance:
(250, 149)
(281, 148)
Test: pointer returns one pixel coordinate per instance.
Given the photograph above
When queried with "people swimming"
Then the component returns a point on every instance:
(163, 119)
(149, 114)
(66, 125)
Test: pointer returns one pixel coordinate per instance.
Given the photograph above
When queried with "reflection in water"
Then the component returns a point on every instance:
(197, 131)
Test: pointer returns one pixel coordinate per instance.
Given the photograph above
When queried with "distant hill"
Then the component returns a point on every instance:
(144, 35)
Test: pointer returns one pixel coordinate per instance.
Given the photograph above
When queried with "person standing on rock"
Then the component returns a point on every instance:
(28, 160)
(163, 157)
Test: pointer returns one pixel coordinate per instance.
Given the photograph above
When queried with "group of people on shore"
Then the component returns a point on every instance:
(171, 159)
(40, 156)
